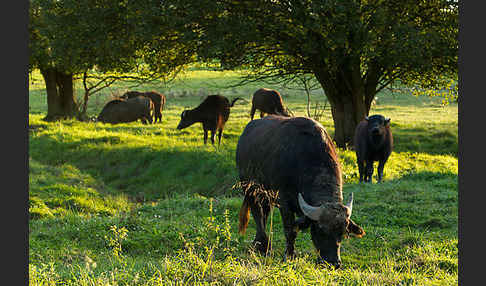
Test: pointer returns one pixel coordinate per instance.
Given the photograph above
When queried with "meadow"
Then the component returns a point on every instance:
(134, 204)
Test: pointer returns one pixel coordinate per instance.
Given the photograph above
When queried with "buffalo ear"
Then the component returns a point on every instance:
(355, 230)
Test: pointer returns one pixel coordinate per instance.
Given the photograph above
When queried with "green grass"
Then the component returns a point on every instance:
(174, 199)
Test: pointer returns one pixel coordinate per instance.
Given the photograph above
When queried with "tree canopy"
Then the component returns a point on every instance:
(101, 40)
(354, 48)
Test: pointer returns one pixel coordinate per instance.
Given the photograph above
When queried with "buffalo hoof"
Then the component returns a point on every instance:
(262, 247)
(332, 264)
(288, 257)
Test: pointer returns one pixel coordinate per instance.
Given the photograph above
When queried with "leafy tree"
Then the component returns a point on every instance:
(100, 42)
(354, 48)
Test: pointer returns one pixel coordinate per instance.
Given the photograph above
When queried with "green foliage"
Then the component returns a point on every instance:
(114, 240)
(74, 36)
(392, 39)
(449, 91)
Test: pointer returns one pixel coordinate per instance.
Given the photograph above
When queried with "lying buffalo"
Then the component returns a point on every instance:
(373, 141)
(213, 113)
(158, 100)
(292, 163)
(120, 111)
(267, 101)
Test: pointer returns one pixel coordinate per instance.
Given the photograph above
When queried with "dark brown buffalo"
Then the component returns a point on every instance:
(267, 101)
(292, 162)
(213, 113)
(157, 98)
(373, 141)
(132, 109)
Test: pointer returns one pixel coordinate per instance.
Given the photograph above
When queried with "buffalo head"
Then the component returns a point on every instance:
(185, 121)
(331, 222)
(377, 125)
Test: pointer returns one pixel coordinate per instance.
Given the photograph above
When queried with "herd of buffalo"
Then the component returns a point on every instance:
(284, 161)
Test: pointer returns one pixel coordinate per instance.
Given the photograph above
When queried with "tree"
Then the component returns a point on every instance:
(354, 48)
(99, 42)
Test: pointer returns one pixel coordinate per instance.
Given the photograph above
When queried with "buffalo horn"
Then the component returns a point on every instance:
(309, 211)
(349, 205)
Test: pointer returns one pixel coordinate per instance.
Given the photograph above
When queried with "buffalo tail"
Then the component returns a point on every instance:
(234, 100)
(244, 215)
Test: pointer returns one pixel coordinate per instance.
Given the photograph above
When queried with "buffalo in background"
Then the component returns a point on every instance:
(267, 101)
(292, 162)
(132, 109)
(213, 113)
(373, 141)
(157, 98)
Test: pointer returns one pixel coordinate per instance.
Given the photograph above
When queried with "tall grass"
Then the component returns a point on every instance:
(134, 204)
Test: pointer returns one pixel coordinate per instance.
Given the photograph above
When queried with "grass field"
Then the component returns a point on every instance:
(135, 204)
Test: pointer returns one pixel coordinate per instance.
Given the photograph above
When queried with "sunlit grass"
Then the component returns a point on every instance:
(175, 198)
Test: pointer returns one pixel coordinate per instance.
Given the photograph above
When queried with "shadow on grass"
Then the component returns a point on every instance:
(423, 140)
(142, 173)
(421, 200)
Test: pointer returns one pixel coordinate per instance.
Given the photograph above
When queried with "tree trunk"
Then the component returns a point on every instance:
(60, 95)
(347, 113)
(349, 104)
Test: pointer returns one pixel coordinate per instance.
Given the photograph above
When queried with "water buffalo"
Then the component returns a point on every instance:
(119, 110)
(213, 113)
(373, 141)
(292, 163)
(157, 98)
(267, 101)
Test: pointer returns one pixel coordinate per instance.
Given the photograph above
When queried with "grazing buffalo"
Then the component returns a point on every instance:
(373, 141)
(213, 113)
(292, 163)
(267, 101)
(119, 110)
(158, 100)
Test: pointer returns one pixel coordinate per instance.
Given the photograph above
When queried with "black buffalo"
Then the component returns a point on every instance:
(267, 101)
(158, 100)
(120, 111)
(373, 141)
(291, 162)
(213, 113)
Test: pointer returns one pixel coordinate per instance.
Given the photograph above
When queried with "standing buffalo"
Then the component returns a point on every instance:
(213, 113)
(267, 101)
(119, 111)
(373, 141)
(157, 98)
(292, 163)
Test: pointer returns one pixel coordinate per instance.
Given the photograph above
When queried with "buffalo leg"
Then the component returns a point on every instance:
(260, 211)
(262, 114)
(213, 133)
(381, 165)
(205, 136)
(220, 133)
(369, 171)
(361, 169)
(290, 229)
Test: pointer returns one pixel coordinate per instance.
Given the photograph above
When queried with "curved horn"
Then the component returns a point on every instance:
(309, 211)
(349, 205)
